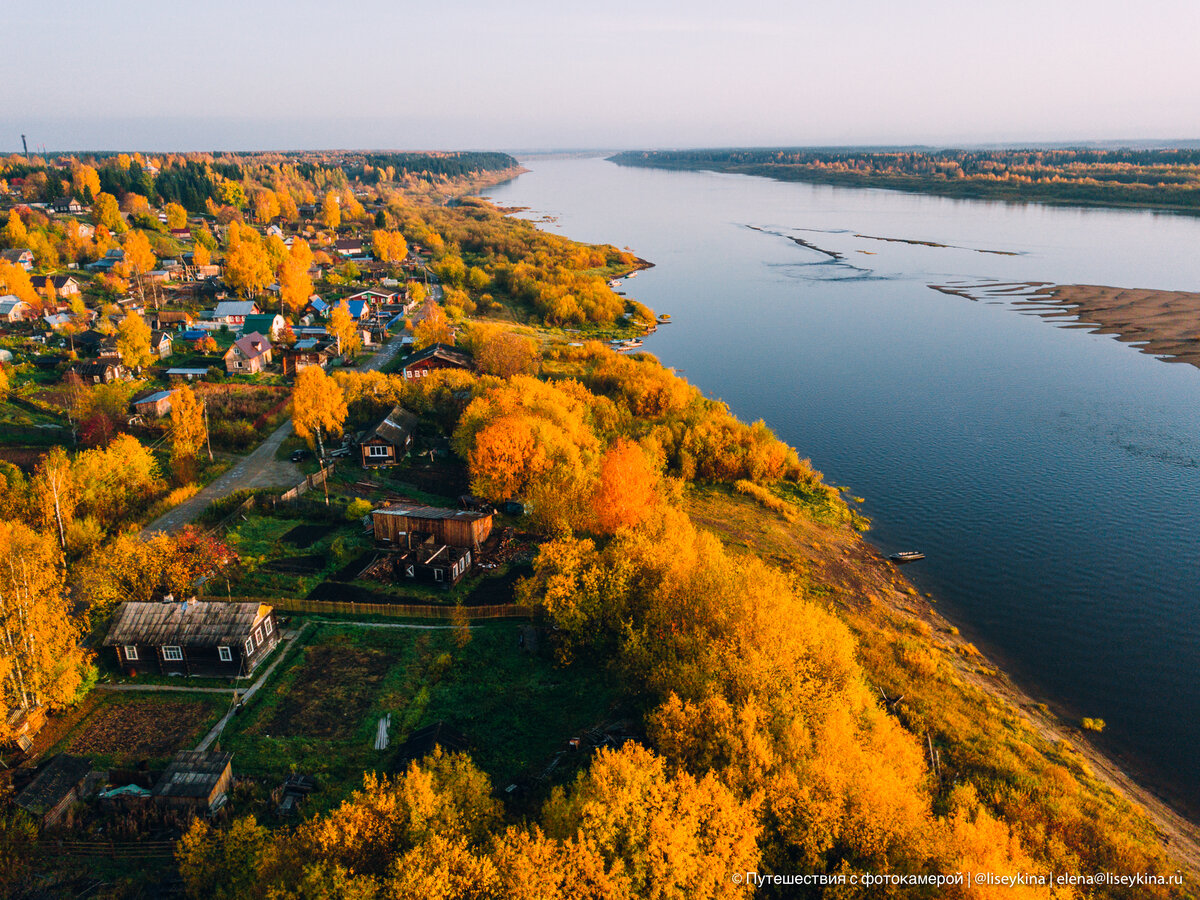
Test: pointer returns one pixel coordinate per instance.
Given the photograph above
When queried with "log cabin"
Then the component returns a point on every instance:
(214, 639)
(456, 527)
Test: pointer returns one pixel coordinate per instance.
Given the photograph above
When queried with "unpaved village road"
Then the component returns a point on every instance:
(258, 469)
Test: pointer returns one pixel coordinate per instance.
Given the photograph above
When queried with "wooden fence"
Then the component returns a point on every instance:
(395, 610)
(314, 480)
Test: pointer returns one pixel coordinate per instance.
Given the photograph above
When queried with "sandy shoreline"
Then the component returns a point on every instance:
(1162, 323)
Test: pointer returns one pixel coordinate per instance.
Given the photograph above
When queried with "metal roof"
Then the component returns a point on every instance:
(398, 425)
(192, 773)
(430, 512)
(195, 623)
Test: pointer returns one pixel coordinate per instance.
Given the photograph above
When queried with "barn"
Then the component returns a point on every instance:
(52, 791)
(456, 527)
(215, 639)
(195, 779)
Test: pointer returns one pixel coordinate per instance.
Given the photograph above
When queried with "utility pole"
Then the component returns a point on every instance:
(25, 144)
(207, 439)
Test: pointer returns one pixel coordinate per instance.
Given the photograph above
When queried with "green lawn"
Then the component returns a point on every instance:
(319, 712)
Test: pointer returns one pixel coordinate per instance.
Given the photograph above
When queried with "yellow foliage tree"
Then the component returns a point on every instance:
(15, 280)
(343, 327)
(133, 341)
(331, 211)
(176, 216)
(86, 182)
(138, 254)
(187, 432)
(15, 233)
(389, 246)
(627, 492)
(247, 266)
(434, 328)
(318, 406)
(295, 284)
(106, 213)
(41, 663)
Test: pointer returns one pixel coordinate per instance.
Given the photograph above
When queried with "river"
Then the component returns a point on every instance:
(1052, 476)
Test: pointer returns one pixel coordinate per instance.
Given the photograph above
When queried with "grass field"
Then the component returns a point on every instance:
(318, 714)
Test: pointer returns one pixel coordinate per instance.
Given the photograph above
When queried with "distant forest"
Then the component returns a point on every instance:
(1162, 179)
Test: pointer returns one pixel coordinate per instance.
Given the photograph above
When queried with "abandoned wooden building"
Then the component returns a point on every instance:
(23, 724)
(425, 560)
(456, 527)
(192, 638)
(197, 779)
(58, 784)
(388, 442)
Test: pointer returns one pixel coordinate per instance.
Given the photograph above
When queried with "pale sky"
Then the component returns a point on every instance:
(551, 74)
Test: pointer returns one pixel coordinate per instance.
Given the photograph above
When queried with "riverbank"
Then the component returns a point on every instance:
(1165, 324)
(979, 726)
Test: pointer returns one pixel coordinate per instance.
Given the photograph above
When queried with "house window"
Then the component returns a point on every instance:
(130, 653)
(267, 624)
(258, 638)
(249, 645)
(378, 450)
(410, 571)
(225, 653)
(437, 574)
(173, 653)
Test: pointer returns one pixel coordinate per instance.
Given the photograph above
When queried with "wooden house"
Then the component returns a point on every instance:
(195, 779)
(305, 353)
(13, 308)
(154, 406)
(214, 639)
(161, 344)
(167, 319)
(101, 371)
(65, 285)
(68, 206)
(348, 247)
(57, 785)
(390, 440)
(270, 324)
(21, 256)
(435, 356)
(249, 354)
(456, 527)
(234, 312)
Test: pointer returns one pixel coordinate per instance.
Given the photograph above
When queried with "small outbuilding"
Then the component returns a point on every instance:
(154, 406)
(249, 354)
(456, 527)
(56, 786)
(196, 779)
(210, 638)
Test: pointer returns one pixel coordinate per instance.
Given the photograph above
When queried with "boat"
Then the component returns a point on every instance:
(906, 556)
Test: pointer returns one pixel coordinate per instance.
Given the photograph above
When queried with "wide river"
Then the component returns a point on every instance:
(1052, 476)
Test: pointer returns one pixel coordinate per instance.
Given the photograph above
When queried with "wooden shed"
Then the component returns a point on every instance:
(390, 440)
(456, 527)
(23, 725)
(209, 638)
(54, 788)
(195, 779)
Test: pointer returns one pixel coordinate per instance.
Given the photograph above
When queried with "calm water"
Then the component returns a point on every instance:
(1052, 476)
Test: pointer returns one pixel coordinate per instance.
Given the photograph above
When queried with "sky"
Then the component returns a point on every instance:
(535, 74)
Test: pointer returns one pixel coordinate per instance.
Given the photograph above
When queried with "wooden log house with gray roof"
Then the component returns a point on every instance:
(214, 639)
(397, 523)
(390, 440)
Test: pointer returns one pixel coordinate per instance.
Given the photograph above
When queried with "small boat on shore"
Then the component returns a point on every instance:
(906, 556)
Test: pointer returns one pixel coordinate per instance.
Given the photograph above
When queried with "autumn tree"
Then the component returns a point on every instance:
(15, 280)
(265, 205)
(506, 353)
(177, 216)
(188, 432)
(133, 341)
(138, 254)
(86, 182)
(106, 213)
(247, 267)
(331, 211)
(201, 256)
(318, 406)
(343, 327)
(389, 246)
(41, 662)
(15, 233)
(55, 491)
(627, 491)
(295, 283)
(434, 328)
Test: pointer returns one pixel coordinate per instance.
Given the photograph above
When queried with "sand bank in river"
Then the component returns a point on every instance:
(1162, 323)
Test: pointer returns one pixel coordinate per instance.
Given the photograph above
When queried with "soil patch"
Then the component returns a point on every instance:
(348, 593)
(304, 536)
(297, 565)
(351, 570)
(139, 728)
(331, 692)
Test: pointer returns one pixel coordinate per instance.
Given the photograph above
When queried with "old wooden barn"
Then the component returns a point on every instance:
(192, 637)
(456, 527)
(196, 779)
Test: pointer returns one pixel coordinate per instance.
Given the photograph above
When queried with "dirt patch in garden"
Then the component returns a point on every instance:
(297, 565)
(136, 729)
(304, 536)
(331, 693)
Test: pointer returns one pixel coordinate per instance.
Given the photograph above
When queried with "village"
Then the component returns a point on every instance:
(356, 608)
